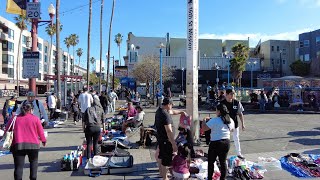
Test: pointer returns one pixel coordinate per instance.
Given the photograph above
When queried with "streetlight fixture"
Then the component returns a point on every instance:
(251, 64)
(161, 46)
(217, 69)
(182, 70)
(34, 35)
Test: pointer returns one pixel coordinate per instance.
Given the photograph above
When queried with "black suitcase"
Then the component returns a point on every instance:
(120, 164)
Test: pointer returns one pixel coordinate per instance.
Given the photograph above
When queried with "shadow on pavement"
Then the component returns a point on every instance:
(307, 141)
(317, 128)
(314, 151)
(50, 165)
(62, 148)
(58, 132)
(304, 133)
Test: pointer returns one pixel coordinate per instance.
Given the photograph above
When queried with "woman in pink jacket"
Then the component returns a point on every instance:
(27, 130)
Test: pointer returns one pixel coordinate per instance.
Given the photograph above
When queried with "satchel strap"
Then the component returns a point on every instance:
(12, 123)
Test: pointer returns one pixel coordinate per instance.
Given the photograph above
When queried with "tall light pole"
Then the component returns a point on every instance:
(280, 63)
(217, 69)
(161, 46)
(226, 54)
(251, 65)
(182, 90)
(34, 35)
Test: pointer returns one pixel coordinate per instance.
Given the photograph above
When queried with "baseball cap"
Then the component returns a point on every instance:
(167, 101)
(31, 93)
(228, 91)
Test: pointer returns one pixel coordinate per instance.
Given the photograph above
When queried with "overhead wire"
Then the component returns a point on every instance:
(78, 7)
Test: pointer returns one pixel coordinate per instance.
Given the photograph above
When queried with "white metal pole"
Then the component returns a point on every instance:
(192, 65)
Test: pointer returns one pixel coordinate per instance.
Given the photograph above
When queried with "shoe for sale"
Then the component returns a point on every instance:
(241, 157)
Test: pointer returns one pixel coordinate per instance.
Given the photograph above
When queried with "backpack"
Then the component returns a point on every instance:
(37, 103)
(91, 118)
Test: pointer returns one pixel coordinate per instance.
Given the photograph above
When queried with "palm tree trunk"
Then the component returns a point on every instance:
(18, 64)
(110, 29)
(89, 37)
(119, 55)
(100, 69)
(72, 69)
(78, 74)
(49, 67)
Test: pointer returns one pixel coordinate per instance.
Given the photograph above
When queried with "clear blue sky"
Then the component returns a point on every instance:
(223, 19)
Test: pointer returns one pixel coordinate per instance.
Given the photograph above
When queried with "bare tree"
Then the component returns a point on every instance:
(148, 71)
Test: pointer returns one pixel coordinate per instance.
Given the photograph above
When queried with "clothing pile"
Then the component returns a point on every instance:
(302, 165)
(243, 169)
(199, 170)
(3, 153)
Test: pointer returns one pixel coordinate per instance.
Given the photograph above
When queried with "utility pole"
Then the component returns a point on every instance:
(58, 54)
(34, 48)
(100, 69)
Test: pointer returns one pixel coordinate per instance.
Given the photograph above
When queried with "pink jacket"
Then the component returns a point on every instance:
(26, 133)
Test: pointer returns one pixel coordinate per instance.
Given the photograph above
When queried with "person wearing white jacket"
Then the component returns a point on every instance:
(52, 104)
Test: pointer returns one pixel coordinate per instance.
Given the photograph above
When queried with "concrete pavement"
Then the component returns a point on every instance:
(266, 135)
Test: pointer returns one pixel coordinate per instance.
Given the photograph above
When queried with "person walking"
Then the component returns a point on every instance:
(93, 119)
(104, 102)
(9, 107)
(262, 101)
(165, 136)
(219, 139)
(235, 109)
(85, 100)
(27, 130)
(75, 110)
(38, 108)
(52, 102)
(113, 97)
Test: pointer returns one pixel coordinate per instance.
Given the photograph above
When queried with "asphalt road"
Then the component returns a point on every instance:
(265, 135)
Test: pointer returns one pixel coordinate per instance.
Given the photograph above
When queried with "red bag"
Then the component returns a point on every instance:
(185, 121)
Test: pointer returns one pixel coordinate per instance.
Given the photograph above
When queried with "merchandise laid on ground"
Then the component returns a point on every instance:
(302, 165)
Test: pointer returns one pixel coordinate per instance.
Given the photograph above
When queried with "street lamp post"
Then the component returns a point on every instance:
(217, 79)
(280, 63)
(34, 35)
(251, 65)
(182, 70)
(161, 46)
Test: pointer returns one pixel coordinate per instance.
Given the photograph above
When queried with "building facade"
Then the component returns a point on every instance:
(274, 52)
(9, 47)
(309, 50)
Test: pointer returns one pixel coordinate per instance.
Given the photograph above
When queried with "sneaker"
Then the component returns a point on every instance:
(75, 122)
(241, 157)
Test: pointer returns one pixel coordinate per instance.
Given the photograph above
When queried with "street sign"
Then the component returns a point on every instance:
(33, 10)
(30, 65)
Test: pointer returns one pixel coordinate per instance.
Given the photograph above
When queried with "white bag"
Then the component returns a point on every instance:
(270, 164)
(6, 141)
(99, 161)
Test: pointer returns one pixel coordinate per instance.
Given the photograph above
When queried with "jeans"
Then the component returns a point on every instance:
(92, 134)
(51, 110)
(19, 157)
(76, 116)
(218, 149)
(262, 106)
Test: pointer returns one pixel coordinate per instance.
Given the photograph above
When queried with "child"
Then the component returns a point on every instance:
(181, 163)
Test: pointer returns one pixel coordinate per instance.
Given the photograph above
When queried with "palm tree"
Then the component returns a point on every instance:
(93, 61)
(101, 15)
(89, 37)
(51, 31)
(238, 63)
(118, 40)
(22, 23)
(79, 54)
(74, 40)
(109, 41)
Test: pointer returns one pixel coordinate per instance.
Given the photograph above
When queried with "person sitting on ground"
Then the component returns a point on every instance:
(299, 102)
(131, 112)
(181, 163)
(135, 121)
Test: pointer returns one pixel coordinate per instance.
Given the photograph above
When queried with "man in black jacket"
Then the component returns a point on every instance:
(104, 100)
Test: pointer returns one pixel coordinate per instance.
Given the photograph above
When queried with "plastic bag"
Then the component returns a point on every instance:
(185, 121)
(270, 163)
(99, 161)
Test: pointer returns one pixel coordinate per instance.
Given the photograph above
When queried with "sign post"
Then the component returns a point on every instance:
(192, 65)
(30, 65)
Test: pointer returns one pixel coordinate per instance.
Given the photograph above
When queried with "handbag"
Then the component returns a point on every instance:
(6, 140)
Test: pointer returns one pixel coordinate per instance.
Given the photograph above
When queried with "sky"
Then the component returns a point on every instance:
(218, 19)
